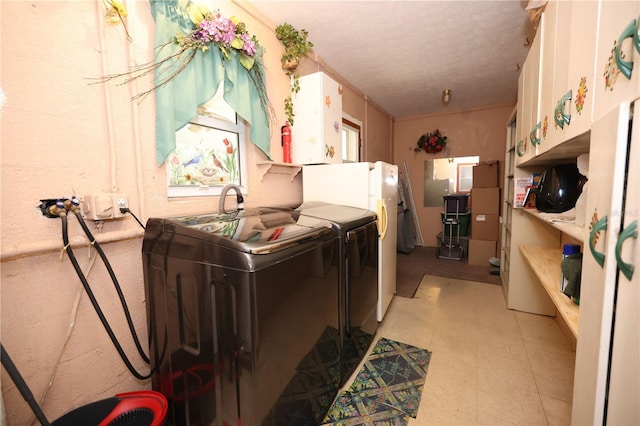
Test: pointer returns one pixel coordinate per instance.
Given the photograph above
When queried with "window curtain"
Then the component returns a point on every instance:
(177, 101)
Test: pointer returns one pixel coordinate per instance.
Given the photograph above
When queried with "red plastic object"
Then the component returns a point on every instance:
(194, 381)
(150, 400)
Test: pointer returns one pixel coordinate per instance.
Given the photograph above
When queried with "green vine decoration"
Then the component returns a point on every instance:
(296, 45)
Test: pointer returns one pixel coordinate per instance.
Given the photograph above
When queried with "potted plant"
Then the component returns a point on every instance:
(296, 45)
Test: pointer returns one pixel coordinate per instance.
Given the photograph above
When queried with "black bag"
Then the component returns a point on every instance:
(559, 188)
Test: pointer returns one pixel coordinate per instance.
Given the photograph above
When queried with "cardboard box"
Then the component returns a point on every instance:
(485, 201)
(485, 227)
(486, 175)
(481, 251)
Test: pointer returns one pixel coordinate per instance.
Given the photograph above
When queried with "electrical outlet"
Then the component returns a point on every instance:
(119, 201)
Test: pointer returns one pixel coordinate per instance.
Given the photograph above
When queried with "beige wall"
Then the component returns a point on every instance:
(479, 132)
(377, 132)
(61, 137)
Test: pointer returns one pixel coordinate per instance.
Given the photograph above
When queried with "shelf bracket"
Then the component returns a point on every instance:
(273, 167)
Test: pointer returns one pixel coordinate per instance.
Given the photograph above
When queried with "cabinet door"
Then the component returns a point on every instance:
(531, 100)
(624, 388)
(522, 123)
(617, 61)
(608, 155)
(555, 33)
(568, 71)
(532, 85)
(575, 100)
(317, 130)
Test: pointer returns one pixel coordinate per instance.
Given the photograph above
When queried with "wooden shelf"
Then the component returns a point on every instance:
(568, 228)
(274, 167)
(561, 153)
(545, 263)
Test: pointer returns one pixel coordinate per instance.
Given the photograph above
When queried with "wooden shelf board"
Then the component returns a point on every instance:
(545, 263)
(568, 228)
(561, 153)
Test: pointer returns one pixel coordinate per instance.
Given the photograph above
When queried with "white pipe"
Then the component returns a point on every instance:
(50, 246)
(135, 114)
(365, 130)
(107, 95)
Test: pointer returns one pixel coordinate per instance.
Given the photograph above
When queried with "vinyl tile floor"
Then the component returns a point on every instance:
(489, 365)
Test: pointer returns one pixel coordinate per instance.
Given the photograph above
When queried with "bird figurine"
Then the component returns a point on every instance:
(218, 164)
(194, 160)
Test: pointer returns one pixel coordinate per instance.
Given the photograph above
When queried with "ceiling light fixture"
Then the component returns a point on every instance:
(446, 96)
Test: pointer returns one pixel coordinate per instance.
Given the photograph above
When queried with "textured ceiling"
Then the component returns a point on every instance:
(403, 54)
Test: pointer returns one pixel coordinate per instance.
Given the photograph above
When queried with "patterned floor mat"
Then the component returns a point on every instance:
(386, 391)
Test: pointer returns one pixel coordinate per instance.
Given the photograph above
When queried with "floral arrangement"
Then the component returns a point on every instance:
(228, 34)
(431, 142)
(116, 12)
(210, 29)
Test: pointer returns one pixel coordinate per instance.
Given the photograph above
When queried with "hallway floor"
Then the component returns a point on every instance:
(489, 365)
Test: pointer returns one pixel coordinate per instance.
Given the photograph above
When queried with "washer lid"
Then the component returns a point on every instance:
(336, 213)
(262, 230)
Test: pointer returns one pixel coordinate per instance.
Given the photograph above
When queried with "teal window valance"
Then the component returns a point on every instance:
(177, 100)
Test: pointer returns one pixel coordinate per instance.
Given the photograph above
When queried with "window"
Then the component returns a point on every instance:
(210, 152)
(351, 139)
(465, 177)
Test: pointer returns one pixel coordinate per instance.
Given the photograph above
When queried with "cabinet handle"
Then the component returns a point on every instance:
(559, 116)
(636, 35)
(533, 136)
(630, 231)
(600, 225)
(383, 219)
(626, 67)
(519, 150)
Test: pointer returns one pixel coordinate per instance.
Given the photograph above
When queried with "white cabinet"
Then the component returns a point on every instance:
(529, 103)
(602, 43)
(507, 202)
(520, 144)
(317, 129)
(617, 60)
(570, 110)
(624, 388)
(554, 35)
(609, 299)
